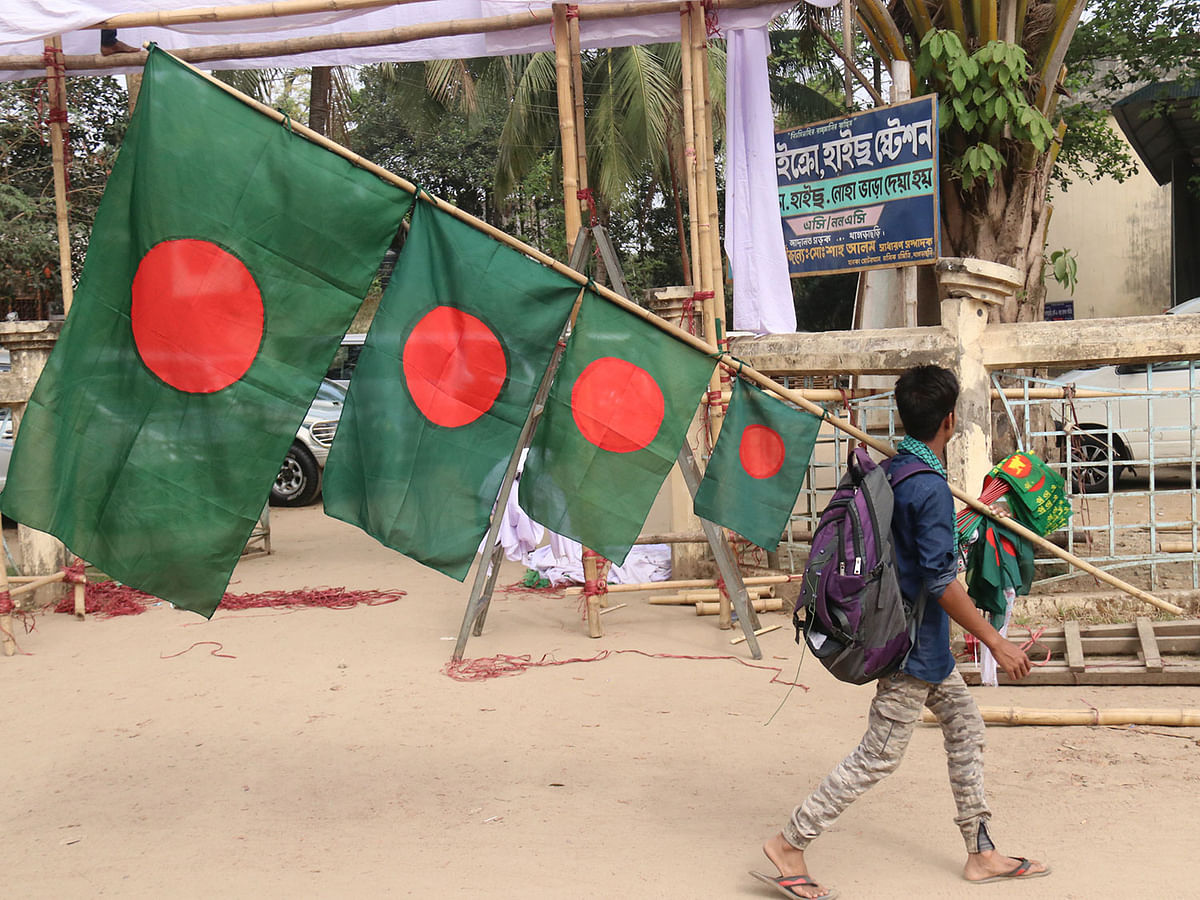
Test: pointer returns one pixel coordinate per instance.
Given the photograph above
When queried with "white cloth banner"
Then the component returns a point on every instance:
(23, 26)
(762, 288)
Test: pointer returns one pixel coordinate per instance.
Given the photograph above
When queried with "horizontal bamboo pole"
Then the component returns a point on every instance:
(741, 637)
(201, 14)
(383, 37)
(679, 334)
(1011, 715)
(686, 583)
(38, 582)
(763, 604)
(689, 598)
(833, 395)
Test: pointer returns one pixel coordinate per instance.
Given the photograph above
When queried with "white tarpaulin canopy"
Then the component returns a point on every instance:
(24, 25)
(762, 300)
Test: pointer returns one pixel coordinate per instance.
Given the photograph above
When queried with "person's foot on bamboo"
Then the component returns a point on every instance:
(116, 47)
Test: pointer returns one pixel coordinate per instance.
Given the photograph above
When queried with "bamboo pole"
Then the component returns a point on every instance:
(566, 125)
(760, 604)
(40, 581)
(758, 632)
(691, 340)
(401, 35)
(1011, 715)
(7, 637)
(56, 88)
(689, 140)
(207, 14)
(575, 59)
(685, 583)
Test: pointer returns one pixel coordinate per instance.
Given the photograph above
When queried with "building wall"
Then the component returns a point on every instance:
(1121, 235)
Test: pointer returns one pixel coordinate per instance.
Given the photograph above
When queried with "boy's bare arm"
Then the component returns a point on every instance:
(961, 608)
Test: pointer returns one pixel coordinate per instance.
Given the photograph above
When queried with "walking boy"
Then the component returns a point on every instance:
(923, 537)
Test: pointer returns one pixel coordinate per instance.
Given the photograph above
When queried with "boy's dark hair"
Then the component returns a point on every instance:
(925, 395)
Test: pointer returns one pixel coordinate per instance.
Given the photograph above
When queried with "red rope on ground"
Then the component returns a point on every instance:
(216, 644)
(553, 592)
(109, 598)
(504, 665)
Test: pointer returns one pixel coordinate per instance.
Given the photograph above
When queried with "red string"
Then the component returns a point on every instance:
(572, 11)
(711, 25)
(75, 573)
(217, 646)
(503, 665)
(6, 603)
(593, 216)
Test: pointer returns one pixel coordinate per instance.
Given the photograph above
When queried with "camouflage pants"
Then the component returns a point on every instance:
(893, 715)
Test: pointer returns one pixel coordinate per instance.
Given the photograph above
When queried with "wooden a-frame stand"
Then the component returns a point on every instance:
(489, 562)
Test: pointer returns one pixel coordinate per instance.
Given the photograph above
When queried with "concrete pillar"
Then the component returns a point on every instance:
(29, 344)
(968, 287)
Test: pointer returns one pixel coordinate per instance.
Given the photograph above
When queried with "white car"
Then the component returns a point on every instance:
(299, 480)
(1110, 436)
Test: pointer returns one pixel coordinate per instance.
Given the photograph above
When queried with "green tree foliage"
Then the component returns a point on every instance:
(29, 268)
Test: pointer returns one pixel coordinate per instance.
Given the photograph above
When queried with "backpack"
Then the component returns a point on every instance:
(856, 622)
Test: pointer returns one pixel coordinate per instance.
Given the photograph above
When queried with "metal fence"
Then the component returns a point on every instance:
(1124, 439)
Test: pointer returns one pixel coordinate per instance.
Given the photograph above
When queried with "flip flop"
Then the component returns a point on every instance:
(1020, 870)
(786, 885)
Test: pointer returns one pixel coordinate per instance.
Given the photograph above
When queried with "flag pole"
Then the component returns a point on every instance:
(736, 366)
(56, 89)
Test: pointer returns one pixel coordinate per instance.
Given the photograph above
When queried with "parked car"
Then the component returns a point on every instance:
(299, 480)
(346, 359)
(1104, 448)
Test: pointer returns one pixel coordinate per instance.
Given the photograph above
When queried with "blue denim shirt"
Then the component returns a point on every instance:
(923, 536)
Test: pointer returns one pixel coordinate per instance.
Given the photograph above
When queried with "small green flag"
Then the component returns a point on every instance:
(443, 386)
(997, 559)
(758, 466)
(1038, 496)
(228, 257)
(616, 418)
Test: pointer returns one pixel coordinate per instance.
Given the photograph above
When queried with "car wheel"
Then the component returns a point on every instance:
(1091, 454)
(299, 479)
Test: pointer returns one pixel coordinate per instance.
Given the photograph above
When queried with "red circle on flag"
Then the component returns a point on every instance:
(197, 315)
(762, 451)
(454, 366)
(617, 406)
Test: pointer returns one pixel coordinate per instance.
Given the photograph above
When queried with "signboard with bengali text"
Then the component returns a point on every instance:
(861, 191)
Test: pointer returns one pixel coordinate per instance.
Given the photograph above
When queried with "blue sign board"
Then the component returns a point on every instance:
(861, 191)
(1062, 311)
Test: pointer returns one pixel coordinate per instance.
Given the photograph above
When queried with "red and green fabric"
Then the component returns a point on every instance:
(758, 466)
(614, 423)
(1038, 496)
(227, 259)
(997, 559)
(443, 386)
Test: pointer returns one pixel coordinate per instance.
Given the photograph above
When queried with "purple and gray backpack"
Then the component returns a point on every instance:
(856, 622)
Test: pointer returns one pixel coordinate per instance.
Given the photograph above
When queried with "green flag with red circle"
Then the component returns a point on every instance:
(442, 389)
(758, 465)
(614, 423)
(227, 258)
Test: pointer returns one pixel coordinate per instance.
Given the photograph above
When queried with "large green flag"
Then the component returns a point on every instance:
(758, 465)
(617, 415)
(228, 257)
(444, 384)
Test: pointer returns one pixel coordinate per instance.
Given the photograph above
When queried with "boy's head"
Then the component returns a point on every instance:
(925, 395)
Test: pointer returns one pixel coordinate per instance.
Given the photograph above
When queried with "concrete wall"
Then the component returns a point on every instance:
(1121, 235)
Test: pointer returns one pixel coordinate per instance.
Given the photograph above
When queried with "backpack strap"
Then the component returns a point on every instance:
(898, 472)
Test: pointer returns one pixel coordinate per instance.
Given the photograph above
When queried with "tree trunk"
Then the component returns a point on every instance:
(318, 99)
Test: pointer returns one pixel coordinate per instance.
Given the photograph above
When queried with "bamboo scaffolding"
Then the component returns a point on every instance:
(56, 89)
(383, 37)
(689, 141)
(566, 125)
(576, 65)
(682, 336)
(1012, 715)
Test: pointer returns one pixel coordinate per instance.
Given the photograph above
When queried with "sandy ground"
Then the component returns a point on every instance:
(331, 757)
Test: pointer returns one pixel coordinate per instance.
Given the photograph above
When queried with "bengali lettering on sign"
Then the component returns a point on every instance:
(861, 191)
